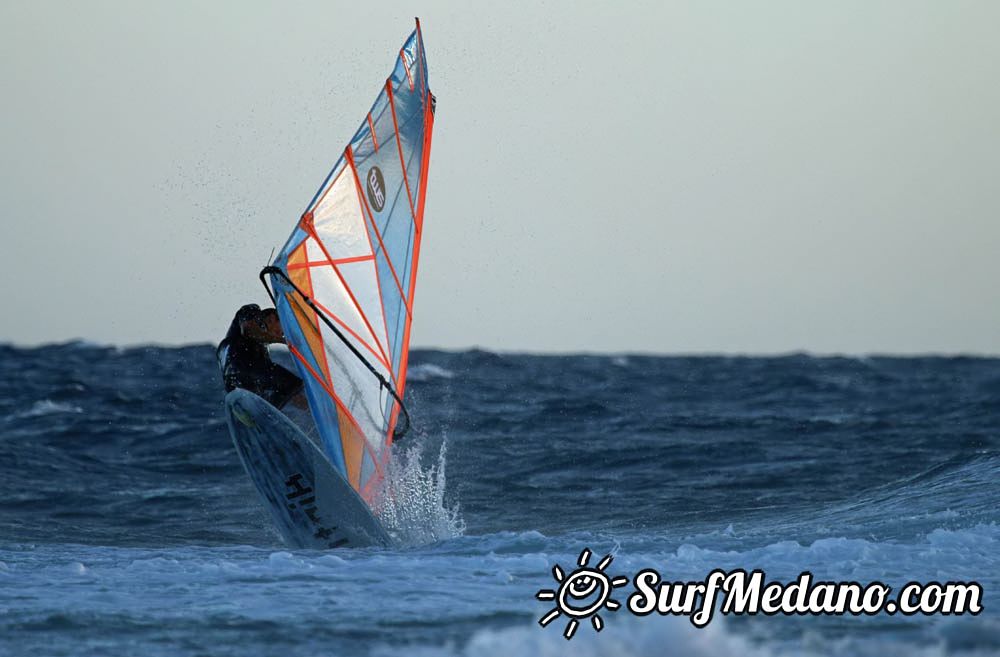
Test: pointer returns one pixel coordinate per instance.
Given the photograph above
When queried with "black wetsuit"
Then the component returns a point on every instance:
(247, 364)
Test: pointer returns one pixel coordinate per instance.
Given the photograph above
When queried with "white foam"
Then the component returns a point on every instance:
(47, 407)
(428, 371)
(483, 588)
(966, 554)
(628, 636)
(89, 344)
(621, 637)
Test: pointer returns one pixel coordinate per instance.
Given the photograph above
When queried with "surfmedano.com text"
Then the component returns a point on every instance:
(741, 593)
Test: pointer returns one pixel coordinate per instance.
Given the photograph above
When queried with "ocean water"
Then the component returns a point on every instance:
(128, 527)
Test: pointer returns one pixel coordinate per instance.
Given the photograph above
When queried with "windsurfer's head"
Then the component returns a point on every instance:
(261, 325)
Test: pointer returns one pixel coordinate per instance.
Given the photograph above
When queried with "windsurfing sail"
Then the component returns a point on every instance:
(343, 283)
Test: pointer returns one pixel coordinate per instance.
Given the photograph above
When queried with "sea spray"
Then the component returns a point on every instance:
(411, 501)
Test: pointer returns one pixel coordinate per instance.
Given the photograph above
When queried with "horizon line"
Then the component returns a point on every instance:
(694, 353)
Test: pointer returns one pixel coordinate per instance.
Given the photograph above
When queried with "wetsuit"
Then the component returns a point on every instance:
(247, 364)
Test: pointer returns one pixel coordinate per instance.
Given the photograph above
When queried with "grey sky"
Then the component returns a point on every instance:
(666, 177)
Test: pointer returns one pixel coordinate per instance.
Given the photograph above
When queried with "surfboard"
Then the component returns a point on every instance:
(312, 505)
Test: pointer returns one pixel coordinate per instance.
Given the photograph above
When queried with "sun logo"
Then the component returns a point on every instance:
(582, 594)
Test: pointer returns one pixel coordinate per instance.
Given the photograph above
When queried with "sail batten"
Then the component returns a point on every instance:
(354, 252)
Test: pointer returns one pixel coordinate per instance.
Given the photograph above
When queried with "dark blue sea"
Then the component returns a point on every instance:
(128, 526)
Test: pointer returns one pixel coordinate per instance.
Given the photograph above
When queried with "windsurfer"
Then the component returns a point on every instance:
(245, 361)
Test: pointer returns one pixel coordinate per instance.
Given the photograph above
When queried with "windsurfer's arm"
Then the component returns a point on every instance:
(283, 385)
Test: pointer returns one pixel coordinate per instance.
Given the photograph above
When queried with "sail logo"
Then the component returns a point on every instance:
(376, 189)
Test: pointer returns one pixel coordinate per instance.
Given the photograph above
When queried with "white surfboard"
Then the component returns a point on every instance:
(312, 504)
